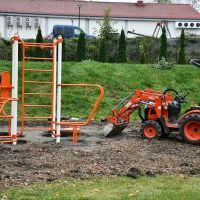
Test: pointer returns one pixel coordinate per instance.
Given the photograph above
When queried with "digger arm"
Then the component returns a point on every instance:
(120, 118)
(147, 97)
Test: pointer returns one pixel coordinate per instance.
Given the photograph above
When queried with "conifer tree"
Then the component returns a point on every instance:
(102, 51)
(39, 39)
(122, 48)
(64, 50)
(163, 45)
(181, 53)
(81, 47)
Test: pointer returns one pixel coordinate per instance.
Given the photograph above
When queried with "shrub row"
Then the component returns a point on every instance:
(140, 49)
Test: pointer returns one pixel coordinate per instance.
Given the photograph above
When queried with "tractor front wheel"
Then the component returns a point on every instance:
(150, 130)
(190, 128)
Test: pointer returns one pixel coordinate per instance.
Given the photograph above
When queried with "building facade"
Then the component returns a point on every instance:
(26, 16)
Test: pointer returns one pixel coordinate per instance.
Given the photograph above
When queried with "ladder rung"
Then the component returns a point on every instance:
(38, 82)
(39, 94)
(5, 117)
(36, 117)
(38, 70)
(29, 105)
(35, 58)
(38, 46)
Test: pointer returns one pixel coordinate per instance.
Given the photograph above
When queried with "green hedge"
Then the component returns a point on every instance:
(150, 49)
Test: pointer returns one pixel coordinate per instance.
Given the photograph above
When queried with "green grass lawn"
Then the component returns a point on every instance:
(157, 188)
(117, 79)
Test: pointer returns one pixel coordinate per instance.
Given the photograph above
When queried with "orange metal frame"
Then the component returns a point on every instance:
(5, 91)
(76, 125)
(51, 46)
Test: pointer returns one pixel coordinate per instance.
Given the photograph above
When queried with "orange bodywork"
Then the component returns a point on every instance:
(154, 100)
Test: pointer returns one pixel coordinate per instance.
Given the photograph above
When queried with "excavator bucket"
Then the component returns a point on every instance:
(110, 129)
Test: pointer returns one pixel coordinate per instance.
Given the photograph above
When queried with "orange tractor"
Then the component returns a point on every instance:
(160, 115)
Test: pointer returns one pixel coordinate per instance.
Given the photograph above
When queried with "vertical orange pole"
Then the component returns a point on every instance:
(53, 113)
(23, 88)
(74, 140)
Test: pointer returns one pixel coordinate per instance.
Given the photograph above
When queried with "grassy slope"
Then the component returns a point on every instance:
(118, 81)
(165, 188)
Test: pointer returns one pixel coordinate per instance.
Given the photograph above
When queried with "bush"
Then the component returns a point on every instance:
(163, 64)
(5, 50)
(150, 50)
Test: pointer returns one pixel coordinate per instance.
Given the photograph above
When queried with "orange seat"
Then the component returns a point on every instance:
(5, 85)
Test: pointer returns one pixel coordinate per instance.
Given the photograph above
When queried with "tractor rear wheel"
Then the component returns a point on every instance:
(151, 130)
(190, 128)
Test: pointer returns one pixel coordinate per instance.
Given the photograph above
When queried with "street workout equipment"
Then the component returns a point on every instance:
(54, 94)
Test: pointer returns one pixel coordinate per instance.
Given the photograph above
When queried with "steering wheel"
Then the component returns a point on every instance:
(170, 90)
(178, 98)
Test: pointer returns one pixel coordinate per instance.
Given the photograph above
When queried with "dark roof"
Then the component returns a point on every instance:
(96, 9)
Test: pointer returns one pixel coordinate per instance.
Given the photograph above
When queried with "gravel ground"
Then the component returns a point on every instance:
(38, 159)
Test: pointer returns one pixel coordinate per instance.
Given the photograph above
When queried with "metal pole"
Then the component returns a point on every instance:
(79, 16)
(54, 88)
(59, 87)
(15, 87)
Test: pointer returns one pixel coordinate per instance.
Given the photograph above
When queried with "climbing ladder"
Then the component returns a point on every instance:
(43, 85)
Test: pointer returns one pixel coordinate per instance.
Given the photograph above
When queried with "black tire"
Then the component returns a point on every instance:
(151, 130)
(192, 108)
(190, 128)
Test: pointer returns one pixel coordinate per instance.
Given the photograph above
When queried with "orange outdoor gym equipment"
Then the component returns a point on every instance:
(53, 93)
(76, 124)
(5, 99)
(161, 115)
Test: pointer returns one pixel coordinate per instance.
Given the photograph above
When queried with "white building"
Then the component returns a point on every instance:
(25, 16)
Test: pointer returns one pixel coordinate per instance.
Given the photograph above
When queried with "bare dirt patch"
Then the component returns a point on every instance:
(38, 159)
